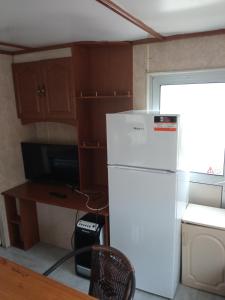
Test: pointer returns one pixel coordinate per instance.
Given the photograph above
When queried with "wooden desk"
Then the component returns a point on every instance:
(23, 227)
(19, 283)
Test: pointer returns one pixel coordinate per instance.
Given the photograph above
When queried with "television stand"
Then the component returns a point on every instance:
(23, 227)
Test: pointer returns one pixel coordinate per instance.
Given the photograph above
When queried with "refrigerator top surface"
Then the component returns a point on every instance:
(142, 112)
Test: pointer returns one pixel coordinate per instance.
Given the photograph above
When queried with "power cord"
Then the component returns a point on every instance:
(89, 198)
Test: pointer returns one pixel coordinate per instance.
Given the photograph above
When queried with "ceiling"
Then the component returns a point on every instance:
(169, 17)
(46, 22)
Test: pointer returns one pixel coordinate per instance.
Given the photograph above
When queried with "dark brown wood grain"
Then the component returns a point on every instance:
(27, 81)
(45, 91)
(59, 89)
(103, 79)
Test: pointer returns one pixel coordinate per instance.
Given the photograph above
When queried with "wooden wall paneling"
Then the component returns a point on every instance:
(120, 69)
(81, 69)
(85, 124)
(99, 167)
(94, 169)
(14, 223)
(29, 223)
(99, 71)
(85, 169)
(103, 80)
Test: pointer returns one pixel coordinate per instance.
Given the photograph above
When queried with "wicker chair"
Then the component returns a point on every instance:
(112, 275)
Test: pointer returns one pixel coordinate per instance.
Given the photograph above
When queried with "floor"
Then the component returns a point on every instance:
(42, 256)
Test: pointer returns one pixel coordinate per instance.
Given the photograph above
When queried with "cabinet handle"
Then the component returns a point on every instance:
(38, 91)
(43, 91)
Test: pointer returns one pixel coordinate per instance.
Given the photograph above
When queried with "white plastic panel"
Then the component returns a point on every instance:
(206, 194)
(142, 225)
(203, 258)
(132, 140)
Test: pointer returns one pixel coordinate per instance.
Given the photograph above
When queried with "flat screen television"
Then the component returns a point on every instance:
(51, 163)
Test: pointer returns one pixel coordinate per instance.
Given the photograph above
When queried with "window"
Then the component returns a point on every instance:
(199, 97)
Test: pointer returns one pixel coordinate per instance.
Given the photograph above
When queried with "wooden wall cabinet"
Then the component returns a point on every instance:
(45, 90)
(103, 77)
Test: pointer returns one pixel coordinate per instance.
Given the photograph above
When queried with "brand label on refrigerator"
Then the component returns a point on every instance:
(165, 123)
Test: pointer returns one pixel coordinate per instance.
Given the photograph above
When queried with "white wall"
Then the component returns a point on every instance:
(179, 55)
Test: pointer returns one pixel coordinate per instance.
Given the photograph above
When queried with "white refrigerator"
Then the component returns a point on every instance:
(148, 193)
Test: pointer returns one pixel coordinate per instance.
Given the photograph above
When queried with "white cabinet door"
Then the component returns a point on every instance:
(203, 258)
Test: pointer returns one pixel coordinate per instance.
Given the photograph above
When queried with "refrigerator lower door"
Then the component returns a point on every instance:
(143, 222)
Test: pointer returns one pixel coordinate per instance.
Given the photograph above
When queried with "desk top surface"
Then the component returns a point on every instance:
(19, 283)
(44, 193)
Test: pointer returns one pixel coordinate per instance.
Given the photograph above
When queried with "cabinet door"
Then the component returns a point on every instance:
(203, 258)
(27, 84)
(58, 89)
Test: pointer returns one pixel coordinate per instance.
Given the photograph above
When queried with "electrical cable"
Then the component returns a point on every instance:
(64, 258)
(89, 198)
(58, 263)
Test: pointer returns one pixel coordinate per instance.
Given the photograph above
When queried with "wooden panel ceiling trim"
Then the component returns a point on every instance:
(69, 45)
(120, 11)
(5, 52)
(15, 46)
(180, 36)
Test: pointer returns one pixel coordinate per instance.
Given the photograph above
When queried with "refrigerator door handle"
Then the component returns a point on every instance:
(150, 170)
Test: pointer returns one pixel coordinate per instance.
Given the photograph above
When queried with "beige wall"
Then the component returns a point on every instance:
(56, 224)
(180, 55)
(49, 54)
(11, 134)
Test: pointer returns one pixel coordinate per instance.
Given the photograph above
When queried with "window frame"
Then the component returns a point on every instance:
(154, 83)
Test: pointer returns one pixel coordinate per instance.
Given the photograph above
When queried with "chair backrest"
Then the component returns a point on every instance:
(112, 275)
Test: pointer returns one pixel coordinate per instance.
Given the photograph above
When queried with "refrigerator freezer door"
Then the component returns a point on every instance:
(142, 225)
(136, 139)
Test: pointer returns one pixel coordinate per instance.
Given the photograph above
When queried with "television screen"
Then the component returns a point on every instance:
(51, 163)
